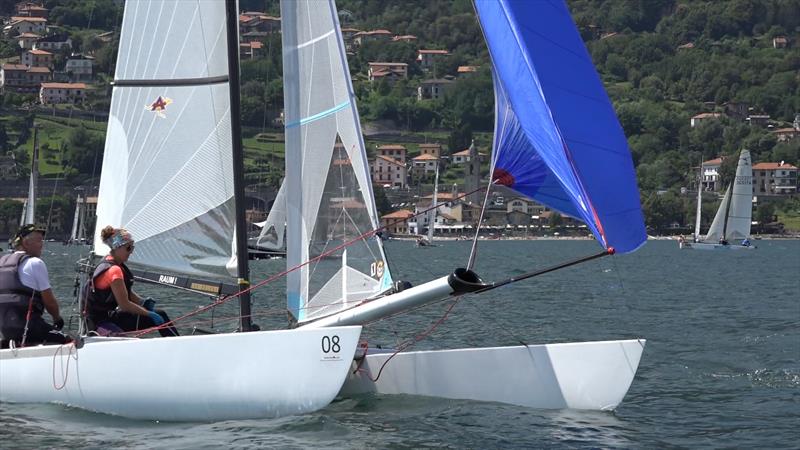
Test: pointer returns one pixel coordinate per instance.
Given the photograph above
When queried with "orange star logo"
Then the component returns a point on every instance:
(159, 106)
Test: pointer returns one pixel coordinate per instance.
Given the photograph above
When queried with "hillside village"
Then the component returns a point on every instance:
(59, 76)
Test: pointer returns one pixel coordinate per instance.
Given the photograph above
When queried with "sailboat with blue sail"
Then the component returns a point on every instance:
(543, 149)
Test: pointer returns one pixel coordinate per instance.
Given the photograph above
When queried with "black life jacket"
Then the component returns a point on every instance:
(101, 302)
(12, 291)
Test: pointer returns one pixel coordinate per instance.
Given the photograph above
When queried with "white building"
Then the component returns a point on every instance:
(52, 93)
(80, 67)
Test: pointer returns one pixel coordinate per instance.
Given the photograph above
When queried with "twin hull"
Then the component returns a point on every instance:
(581, 375)
(212, 377)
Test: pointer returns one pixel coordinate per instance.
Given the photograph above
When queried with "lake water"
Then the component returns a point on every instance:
(721, 367)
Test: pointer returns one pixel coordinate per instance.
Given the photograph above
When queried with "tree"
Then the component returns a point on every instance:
(3, 139)
(765, 213)
(83, 148)
(459, 139)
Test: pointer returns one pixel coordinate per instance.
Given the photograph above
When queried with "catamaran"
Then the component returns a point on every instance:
(172, 175)
(730, 229)
(545, 85)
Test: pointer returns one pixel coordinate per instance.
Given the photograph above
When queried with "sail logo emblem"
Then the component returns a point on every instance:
(159, 106)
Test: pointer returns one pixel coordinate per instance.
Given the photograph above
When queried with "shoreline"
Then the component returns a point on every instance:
(764, 237)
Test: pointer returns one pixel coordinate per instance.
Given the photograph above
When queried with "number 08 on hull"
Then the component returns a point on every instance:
(215, 377)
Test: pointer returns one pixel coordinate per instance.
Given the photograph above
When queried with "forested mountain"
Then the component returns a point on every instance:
(662, 61)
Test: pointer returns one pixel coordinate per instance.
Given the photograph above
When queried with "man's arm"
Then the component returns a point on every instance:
(51, 304)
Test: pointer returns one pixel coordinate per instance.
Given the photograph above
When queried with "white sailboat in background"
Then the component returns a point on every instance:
(29, 205)
(271, 241)
(427, 241)
(78, 233)
(730, 228)
(172, 175)
(330, 201)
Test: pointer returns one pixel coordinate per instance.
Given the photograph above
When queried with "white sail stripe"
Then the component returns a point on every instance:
(159, 59)
(147, 61)
(316, 39)
(124, 33)
(140, 150)
(177, 173)
(155, 157)
(183, 45)
(144, 33)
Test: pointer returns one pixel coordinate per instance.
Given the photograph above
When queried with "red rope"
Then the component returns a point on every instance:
(416, 339)
(224, 299)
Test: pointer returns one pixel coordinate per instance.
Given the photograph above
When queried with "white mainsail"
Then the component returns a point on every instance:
(167, 171)
(699, 206)
(741, 208)
(29, 206)
(434, 203)
(733, 217)
(273, 232)
(329, 192)
(76, 219)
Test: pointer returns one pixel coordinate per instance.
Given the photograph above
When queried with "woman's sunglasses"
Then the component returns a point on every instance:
(130, 248)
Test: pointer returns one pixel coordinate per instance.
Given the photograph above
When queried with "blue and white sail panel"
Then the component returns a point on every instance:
(557, 139)
(167, 169)
(328, 185)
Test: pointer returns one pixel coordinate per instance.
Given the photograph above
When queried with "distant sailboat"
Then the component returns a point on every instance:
(172, 174)
(29, 205)
(271, 241)
(730, 228)
(428, 240)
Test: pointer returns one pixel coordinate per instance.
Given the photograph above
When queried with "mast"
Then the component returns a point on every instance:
(699, 209)
(727, 213)
(232, 26)
(432, 216)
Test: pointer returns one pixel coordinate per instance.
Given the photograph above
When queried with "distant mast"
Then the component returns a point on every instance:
(30, 205)
(434, 203)
(699, 201)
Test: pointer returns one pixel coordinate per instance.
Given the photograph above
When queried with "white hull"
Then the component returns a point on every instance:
(586, 375)
(187, 378)
(709, 246)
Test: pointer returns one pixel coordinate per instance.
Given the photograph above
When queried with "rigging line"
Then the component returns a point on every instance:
(417, 338)
(525, 276)
(281, 274)
(473, 251)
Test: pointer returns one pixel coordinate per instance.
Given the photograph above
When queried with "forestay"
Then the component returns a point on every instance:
(328, 191)
(557, 139)
(167, 171)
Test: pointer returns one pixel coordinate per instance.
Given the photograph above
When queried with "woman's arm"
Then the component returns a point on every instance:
(123, 301)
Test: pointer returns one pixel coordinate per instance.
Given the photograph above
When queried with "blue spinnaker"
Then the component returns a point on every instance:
(557, 138)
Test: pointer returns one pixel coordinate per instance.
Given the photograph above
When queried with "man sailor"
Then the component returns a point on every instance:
(25, 293)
